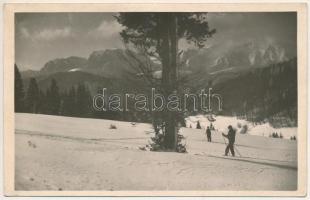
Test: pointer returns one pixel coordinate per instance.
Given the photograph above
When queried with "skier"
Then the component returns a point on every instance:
(231, 140)
(208, 131)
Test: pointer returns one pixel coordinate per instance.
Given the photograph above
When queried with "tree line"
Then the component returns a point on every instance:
(73, 102)
(268, 93)
(76, 101)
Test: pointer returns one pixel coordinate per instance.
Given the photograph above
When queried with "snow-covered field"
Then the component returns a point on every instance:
(64, 153)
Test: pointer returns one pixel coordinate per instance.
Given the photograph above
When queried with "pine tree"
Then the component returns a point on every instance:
(72, 102)
(53, 98)
(198, 125)
(157, 35)
(64, 109)
(32, 97)
(41, 103)
(63, 96)
(18, 91)
(69, 102)
(83, 101)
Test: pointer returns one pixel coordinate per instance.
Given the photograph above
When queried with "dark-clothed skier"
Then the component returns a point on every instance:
(208, 131)
(231, 140)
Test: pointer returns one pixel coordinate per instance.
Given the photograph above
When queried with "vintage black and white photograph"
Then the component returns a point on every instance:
(156, 101)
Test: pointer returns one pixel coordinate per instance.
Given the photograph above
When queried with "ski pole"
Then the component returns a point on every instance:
(237, 151)
(224, 140)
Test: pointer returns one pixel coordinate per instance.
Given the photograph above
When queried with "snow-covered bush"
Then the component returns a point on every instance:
(244, 129)
(239, 125)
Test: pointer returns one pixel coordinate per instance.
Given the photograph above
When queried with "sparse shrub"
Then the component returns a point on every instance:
(157, 142)
(181, 148)
(276, 135)
(142, 148)
(198, 126)
(31, 144)
(244, 129)
(112, 126)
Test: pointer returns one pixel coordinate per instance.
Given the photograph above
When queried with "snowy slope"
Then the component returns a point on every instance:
(64, 153)
(222, 122)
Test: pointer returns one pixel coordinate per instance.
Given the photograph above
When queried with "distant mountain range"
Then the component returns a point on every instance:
(112, 63)
(240, 70)
(112, 68)
(63, 65)
(212, 60)
(249, 55)
(214, 64)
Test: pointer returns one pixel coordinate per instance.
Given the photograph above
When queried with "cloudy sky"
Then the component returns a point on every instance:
(40, 37)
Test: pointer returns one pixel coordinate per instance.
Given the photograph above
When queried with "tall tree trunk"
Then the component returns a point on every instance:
(169, 75)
